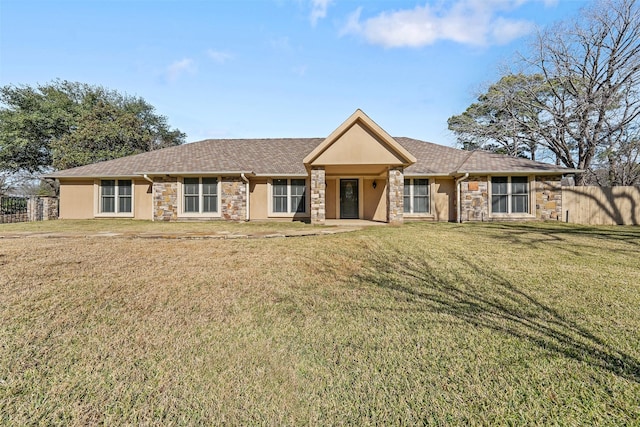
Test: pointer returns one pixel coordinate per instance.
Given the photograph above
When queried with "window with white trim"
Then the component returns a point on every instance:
(416, 195)
(116, 196)
(510, 194)
(200, 195)
(288, 195)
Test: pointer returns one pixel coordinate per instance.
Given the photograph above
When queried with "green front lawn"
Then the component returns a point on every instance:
(442, 324)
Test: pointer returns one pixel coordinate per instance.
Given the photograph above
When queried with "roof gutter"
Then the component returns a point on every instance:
(522, 172)
(196, 173)
(248, 196)
(458, 188)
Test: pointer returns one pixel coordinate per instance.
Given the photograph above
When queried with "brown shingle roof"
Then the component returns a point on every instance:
(486, 162)
(432, 159)
(285, 156)
(261, 156)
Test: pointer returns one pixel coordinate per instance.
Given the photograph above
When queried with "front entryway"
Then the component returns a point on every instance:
(349, 208)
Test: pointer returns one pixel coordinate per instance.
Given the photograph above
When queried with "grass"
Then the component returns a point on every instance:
(441, 324)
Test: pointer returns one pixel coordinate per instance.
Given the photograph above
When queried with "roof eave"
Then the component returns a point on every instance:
(275, 174)
(156, 173)
(434, 174)
(91, 176)
(517, 172)
(198, 173)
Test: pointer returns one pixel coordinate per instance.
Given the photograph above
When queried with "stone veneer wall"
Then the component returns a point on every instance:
(395, 196)
(233, 198)
(318, 194)
(38, 208)
(165, 198)
(548, 197)
(43, 208)
(474, 198)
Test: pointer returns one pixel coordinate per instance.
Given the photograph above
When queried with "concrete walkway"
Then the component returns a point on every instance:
(275, 233)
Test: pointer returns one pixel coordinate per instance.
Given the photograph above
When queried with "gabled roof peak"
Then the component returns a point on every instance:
(359, 117)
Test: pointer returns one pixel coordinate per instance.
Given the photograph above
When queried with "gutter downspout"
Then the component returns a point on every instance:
(246, 180)
(146, 177)
(458, 181)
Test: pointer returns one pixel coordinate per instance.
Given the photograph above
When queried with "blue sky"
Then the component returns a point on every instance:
(277, 68)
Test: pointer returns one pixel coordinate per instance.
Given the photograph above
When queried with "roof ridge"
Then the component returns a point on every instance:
(464, 160)
(255, 139)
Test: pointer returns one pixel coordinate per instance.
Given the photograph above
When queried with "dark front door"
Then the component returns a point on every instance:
(349, 199)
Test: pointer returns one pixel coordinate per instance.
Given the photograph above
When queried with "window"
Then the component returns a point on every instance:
(416, 195)
(298, 191)
(116, 196)
(209, 195)
(510, 194)
(288, 196)
(499, 194)
(519, 194)
(200, 195)
(279, 188)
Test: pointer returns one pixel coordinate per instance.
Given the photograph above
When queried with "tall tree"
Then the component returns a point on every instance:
(592, 68)
(588, 98)
(66, 124)
(499, 121)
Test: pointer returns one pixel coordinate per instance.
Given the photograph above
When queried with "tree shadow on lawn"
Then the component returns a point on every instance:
(535, 233)
(493, 302)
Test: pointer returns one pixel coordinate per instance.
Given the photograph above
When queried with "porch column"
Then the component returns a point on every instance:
(395, 196)
(318, 191)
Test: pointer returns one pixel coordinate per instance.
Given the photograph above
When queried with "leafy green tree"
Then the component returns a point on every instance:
(65, 124)
(502, 120)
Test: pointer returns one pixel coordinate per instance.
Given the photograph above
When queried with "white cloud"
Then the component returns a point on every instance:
(281, 44)
(319, 10)
(300, 70)
(219, 56)
(178, 68)
(504, 31)
(473, 22)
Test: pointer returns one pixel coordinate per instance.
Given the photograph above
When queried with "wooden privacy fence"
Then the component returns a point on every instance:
(601, 205)
(24, 209)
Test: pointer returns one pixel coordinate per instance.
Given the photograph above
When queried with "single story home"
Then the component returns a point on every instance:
(358, 172)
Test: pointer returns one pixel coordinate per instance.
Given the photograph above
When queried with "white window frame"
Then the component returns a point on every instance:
(97, 208)
(200, 213)
(410, 211)
(289, 213)
(530, 194)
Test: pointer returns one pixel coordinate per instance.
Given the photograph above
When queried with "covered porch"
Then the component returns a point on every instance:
(357, 174)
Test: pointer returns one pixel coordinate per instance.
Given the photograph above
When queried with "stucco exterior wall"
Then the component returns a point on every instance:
(160, 200)
(76, 199)
(375, 202)
(444, 195)
(330, 199)
(358, 146)
(143, 199)
(258, 199)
